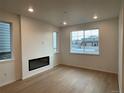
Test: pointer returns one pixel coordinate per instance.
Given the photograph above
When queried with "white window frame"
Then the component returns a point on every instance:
(84, 36)
(56, 48)
(11, 44)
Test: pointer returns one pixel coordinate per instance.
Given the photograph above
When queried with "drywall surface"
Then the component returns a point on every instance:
(10, 71)
(107, 60)
(121, 51)
(36, 38)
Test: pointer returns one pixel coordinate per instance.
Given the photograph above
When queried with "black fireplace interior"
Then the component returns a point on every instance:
(38, 63)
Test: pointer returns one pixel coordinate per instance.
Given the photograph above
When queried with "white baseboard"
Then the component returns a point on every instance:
(11, 81)
(39, 71)
(6, 83)
(91, 68)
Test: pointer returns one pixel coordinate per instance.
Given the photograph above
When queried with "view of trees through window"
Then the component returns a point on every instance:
(86, 42)
(5, 41)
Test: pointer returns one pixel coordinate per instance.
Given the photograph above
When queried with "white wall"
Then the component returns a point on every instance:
(36, 38)
(108, 59)
(121, 51)
(11, 70)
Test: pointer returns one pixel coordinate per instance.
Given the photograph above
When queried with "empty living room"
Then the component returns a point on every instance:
(61, 46)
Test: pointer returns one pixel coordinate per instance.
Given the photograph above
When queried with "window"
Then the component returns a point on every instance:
(5, 41)
(55, 41)
(85, 41)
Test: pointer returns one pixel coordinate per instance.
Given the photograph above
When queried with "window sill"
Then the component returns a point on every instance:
(57, 52)
(85, 54)
(6, 60)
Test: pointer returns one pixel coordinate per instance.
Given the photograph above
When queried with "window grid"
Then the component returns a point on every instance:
(85, 41)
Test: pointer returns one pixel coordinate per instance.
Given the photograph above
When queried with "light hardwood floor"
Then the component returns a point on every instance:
(64, 79)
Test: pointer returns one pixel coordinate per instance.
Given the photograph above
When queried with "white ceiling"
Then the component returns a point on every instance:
(52, 11)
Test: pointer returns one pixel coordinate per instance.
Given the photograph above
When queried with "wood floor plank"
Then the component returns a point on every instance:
(65, 79)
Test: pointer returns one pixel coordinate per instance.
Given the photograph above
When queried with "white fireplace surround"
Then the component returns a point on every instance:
(27, 73)
(36, 42)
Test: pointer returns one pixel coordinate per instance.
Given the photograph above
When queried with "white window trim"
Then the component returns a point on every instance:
(82, 52)
(56, 50)
(11, 35)
(7, 60)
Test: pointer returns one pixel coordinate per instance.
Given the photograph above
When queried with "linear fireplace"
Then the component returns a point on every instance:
(38, 63)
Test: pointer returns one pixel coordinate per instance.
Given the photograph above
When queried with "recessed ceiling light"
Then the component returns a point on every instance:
(95, 17)
(64, 23)
(30, 9)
